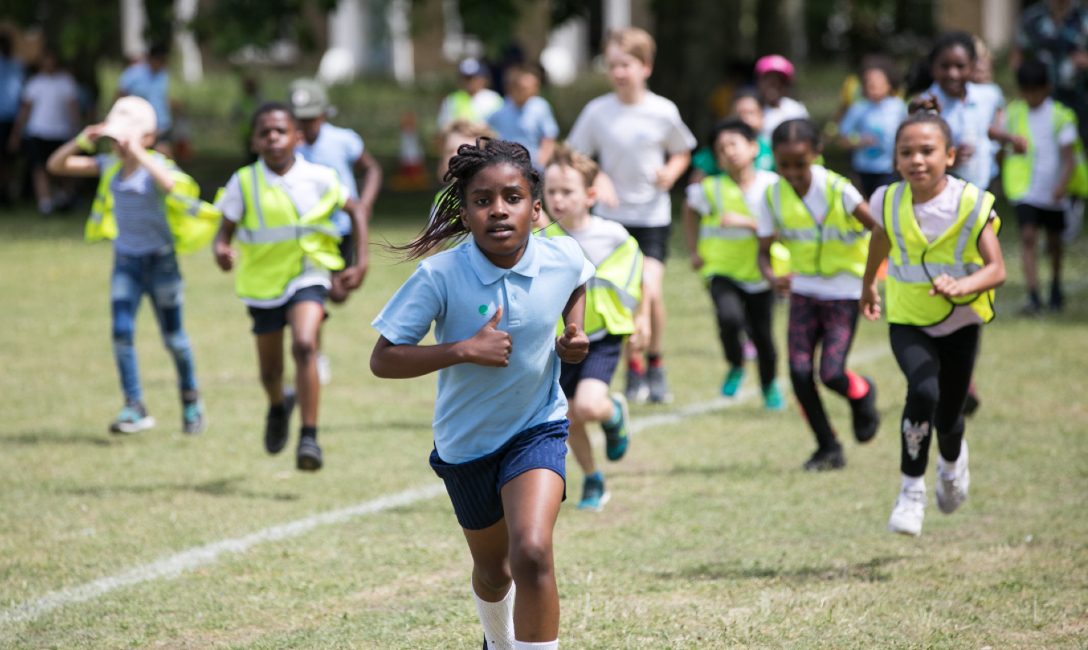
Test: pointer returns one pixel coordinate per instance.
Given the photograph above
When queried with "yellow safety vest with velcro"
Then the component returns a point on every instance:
(1017, 169)
(914, 261)
(729, 251)
(192, 222)
(613, 293)
(276, 244)
(839, 245)
(461, 106)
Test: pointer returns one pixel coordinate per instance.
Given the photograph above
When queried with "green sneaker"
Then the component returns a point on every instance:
(594, 494)
(615, 432)
(773, 400)
(733, 381)
(132, 419)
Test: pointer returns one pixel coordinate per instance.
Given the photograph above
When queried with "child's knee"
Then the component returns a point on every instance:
(123, 330)
(492, 576)
(531, 557)
(731, 322)
(271, 375)
(176, 342)
(800, 372)
(591, 410)
(834, 377)
(922, 396)
(303, 349)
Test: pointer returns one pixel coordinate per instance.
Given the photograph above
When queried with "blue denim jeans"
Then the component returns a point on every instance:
(157, 275)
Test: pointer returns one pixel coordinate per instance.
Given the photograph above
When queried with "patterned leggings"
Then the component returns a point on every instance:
(811, 320)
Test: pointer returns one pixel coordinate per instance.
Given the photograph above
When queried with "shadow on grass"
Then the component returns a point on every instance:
(738, 470)
(222, 487)
(55, 438)
(861, 572)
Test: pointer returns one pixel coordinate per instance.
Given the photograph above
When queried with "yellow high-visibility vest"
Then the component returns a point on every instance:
(276, 244)
(840, 244)
(192, 222)
(914, 261)
(1017, 169)
(729, 251)
(613, 293)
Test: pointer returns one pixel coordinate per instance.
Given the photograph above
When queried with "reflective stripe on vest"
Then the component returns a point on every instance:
(808, 241)
(727, 251)
(910, 275)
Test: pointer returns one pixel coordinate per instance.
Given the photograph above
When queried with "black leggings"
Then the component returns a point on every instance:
(938, 374)
(735, 307)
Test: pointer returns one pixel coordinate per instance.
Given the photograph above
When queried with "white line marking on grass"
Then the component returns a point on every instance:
(173, 565)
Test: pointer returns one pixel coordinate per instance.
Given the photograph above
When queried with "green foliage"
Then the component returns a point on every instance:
(233, 24)
(492, 21)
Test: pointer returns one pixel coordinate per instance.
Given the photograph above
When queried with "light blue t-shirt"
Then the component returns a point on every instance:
(478, 409)
(969, 120)
(139, 207)
(880, 121)
(338, 148)
(526, 125)
(138, 79)
(11, 88)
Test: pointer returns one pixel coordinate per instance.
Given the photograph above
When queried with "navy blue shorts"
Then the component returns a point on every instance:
(274, 319)
(600, 363)
(474, 486)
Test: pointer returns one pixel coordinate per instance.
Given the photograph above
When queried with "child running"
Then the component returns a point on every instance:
(281, 209)
(1037, 174)
(868, 128)
(939, 235)
(722, 234)
(644, 148)
(822, 220)
(151, 211)
(614, 310)
(500, 416)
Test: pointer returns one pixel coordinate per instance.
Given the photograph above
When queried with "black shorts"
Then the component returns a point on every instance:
(347, 249)
(1029, 215)
(5, 134)
(653, 241)
(870, 182)
(475, 486)
(274, 319)
(39, 150)
(600, 363)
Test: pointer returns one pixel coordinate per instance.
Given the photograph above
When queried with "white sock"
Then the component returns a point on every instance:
(946, 469)
(498, 621)
(529, 645)
(912, 483)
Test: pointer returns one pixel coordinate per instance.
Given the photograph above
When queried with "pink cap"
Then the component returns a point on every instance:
(775, 63)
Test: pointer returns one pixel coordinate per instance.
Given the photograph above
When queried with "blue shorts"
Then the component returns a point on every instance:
(600, 363)
(474, 486)
(274, 319)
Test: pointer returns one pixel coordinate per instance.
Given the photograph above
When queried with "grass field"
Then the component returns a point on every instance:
(714, 537)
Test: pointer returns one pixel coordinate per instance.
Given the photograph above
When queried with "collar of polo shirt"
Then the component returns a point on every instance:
(528, 266)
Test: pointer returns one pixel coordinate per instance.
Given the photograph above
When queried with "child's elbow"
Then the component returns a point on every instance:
(377, 366)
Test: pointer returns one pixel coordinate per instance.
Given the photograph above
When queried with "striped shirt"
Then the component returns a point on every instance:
(139, 208)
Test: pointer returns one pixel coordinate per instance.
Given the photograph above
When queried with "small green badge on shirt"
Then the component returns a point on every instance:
(483, 309)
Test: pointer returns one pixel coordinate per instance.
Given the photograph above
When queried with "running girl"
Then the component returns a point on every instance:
(614, 310)
(500, 417)
(822, 220)
(939, 235)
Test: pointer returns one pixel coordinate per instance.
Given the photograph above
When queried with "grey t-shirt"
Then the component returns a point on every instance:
(599, 239)
(140, 210)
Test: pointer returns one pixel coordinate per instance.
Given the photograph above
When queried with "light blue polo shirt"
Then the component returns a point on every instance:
(478, 408)
(338, 148)
(527, 125)
(969, 120)
(880, 122)
(138, 79)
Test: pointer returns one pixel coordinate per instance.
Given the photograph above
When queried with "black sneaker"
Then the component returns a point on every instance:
(825, 459)
(1057, 298)
(1032, 306)
(276, 427)
(309, 455)
(866, 417)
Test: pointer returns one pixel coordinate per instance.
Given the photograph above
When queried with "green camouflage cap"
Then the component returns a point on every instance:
(308, 98)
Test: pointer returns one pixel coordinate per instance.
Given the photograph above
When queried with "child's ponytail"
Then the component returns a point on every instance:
(926, 109)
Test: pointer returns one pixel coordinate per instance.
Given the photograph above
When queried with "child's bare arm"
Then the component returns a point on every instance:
(863, 214)
(68, 159)
(489, 347)
(1065, 174)
(674, 168)
(691, 236)
(990, 276)
(573, 345)
(879, 246)
(158, 171)
(224, 253)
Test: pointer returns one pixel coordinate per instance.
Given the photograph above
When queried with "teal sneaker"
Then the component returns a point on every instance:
(594, 494)
(733, 381)
(615, 432)
(132, 419)
(773, 400)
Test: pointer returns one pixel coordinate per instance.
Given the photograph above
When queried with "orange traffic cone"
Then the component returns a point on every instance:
(411, 173)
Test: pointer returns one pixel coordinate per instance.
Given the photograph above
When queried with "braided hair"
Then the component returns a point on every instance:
(445, 220)
(926, 110)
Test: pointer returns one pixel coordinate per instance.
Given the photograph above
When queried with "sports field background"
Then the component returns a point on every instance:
(714, 538)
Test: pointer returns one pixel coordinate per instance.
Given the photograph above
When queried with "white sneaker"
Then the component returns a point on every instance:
(907, 515)
(952, 493)
(324, 369)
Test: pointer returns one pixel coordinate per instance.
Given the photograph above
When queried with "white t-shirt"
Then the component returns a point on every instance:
(842, 286)
(304, 183)
(51, 98)
(754, 197)
(599, 239)
(632, 143)
(788, 109)
(934, 218)
(1048, 157)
